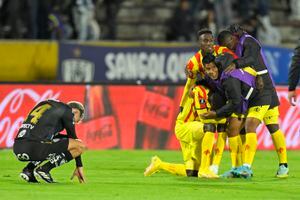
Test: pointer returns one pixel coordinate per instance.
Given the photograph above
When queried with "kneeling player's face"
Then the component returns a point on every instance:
(77, 117)
(211, 70)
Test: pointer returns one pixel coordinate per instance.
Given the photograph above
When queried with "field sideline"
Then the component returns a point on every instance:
(116, 174)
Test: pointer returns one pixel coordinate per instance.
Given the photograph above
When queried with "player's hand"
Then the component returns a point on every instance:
(292, 97)
(188, 73)
(191, 92)
(230, 68)
(79, 173)
(209, 115)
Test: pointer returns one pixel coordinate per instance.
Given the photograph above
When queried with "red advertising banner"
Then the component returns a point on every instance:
(157, 110)
(99, 133)
(124, 117)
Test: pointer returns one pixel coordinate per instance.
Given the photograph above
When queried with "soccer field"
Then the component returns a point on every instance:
(116, 174)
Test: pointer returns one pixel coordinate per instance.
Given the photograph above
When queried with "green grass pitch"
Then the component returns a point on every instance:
(116, 174)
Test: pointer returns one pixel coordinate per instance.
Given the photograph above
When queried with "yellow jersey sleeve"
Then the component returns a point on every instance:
(185, 95)
(201, 99)
(194, 66)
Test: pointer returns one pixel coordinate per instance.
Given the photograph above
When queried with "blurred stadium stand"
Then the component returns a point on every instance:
(140, 19)
(127, 20)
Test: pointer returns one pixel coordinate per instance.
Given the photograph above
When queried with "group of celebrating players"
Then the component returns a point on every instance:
(229, 90)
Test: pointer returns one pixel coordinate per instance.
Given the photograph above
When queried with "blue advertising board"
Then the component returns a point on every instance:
(117, 62)
(129, 64)
(278, 60)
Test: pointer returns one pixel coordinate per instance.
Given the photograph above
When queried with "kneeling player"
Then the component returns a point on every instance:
(39, 140)
(195, 137)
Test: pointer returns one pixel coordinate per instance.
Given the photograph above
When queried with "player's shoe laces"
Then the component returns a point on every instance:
(207, 174)
(282, 172)
(153, 167)
(230, 174)
(28, 175)
(243, 172)
(46, 176)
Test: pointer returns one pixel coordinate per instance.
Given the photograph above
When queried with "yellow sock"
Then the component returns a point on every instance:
(243, 141)
(250, 148)
(233, 148)
(177, 169)
(207, 145)
(219, 149)
(279, 143)
(239, 159)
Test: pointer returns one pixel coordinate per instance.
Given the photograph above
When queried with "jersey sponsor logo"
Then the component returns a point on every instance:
(27, 126)
(23, 156)
(22, 133)
(146, 66)
(78, 70)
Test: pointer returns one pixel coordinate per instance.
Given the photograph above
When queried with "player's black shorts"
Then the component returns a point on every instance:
(31, 150)
(260, 99)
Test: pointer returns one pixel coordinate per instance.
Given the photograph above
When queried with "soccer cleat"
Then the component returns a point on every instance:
(46, 176)
(282, 172)
(28, 176)
(243, 172)
(207, 174)
(230, 174)
(153, 167)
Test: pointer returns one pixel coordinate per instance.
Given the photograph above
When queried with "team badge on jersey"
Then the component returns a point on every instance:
(202, 103)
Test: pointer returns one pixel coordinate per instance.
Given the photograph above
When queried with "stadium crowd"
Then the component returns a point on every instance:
(98, 19)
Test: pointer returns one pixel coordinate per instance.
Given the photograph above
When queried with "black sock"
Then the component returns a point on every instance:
(285, 164)
(57, 160)
(32, 164)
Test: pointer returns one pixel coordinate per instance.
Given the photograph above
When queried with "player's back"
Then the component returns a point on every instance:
(44, 120)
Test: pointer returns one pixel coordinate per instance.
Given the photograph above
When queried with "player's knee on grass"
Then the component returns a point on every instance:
(209, 128)
(273, 128)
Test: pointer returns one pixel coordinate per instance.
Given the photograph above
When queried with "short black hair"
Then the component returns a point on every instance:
(235, 28)
(203, 31)
(223, 35)
(208, 58)
(222, 61)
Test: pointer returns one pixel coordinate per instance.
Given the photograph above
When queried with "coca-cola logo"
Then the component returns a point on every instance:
(12, 105)
(103, 133)
(157, 109)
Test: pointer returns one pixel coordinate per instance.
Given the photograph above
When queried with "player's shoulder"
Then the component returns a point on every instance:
(251, 41)
(195, 62)
(59, 105)
(201, 91)
(196, 57)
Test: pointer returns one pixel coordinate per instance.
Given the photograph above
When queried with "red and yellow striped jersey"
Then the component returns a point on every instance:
(195, 106)
(194, 66)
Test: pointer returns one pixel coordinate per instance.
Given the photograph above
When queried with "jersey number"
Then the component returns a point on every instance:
(38, 112)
